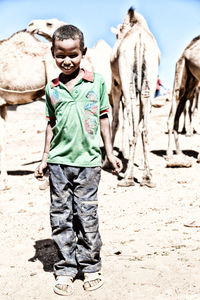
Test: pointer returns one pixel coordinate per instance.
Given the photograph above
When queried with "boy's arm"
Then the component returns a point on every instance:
(40, 170)
(106, 136)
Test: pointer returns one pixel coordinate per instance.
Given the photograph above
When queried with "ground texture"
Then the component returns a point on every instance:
(148, 253)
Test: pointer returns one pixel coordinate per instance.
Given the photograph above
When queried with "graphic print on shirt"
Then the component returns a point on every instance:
(54, 97)
(91, 113)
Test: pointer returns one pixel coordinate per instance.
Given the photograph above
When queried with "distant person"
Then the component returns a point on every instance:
(158, 85)
(76, 107)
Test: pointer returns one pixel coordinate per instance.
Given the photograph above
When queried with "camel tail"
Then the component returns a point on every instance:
(138, 65)
(180, 77)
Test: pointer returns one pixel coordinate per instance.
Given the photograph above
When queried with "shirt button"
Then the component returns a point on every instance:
(76, 91)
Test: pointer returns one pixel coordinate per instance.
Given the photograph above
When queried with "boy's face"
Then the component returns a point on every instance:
(68, 55)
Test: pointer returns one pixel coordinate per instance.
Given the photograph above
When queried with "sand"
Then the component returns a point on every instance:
(148, 253)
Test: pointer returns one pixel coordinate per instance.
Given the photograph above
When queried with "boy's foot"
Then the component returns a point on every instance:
(92, 281)
(63, 285)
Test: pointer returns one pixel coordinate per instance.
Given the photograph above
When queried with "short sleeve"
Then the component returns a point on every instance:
(49, 107)
(104, 100)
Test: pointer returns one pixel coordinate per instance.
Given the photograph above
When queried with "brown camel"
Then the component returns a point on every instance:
(134, 65)
(187, 77)
(191, 111)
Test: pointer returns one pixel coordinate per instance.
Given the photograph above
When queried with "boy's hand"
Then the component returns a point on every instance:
(116, 163)
(40, 171)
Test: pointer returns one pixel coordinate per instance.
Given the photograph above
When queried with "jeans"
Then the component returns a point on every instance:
(74, 218)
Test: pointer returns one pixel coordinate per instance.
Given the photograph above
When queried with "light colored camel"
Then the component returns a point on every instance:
(99, 61)
(44, 28)
(187, 77)
(134, 64)
(25, 67)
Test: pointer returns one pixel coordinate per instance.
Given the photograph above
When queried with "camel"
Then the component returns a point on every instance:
(134, 64)
(44, 28)
(99, 62)
(25, 68)
(187, 77)
(191, 111)
(97, 59)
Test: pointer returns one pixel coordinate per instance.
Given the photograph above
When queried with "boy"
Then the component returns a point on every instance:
(76, 107)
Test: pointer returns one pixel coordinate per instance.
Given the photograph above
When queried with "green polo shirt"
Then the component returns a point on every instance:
(76, 134)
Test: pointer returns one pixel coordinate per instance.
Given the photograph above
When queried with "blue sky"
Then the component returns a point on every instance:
(174, 23)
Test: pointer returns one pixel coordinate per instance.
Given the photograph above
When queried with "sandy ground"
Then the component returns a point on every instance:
(147, 251)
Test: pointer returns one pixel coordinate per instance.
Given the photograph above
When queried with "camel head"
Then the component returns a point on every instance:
(44, 28)
(131, 19)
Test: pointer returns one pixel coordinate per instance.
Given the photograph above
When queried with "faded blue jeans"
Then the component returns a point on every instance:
(74, 218)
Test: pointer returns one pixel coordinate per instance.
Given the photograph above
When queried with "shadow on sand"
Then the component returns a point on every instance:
(120, 155)
(20, 172)
(47, 253)
(163, 153)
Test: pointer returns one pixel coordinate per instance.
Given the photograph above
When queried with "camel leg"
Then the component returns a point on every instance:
(129, 174)
(147, 176)
(170, 123)
(189, 94)
(132, 135)
(3, 178)
(185, 119)
(194, 113)
(173, 124)
(116, 96)
(188, 122)
(179, 82)
(124, 119)
(191, 109)
(179, 110)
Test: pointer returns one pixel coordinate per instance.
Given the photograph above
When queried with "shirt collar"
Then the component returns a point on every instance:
(88, 76)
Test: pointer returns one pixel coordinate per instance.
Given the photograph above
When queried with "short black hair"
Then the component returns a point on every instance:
(66, 32)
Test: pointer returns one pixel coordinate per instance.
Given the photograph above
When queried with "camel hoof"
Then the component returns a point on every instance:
(126, 182)
(148, 183)
(179, 161)
(168, 156)
(189, 134)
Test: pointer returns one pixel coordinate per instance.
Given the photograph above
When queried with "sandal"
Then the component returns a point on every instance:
(63, 285)
(92, 281)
